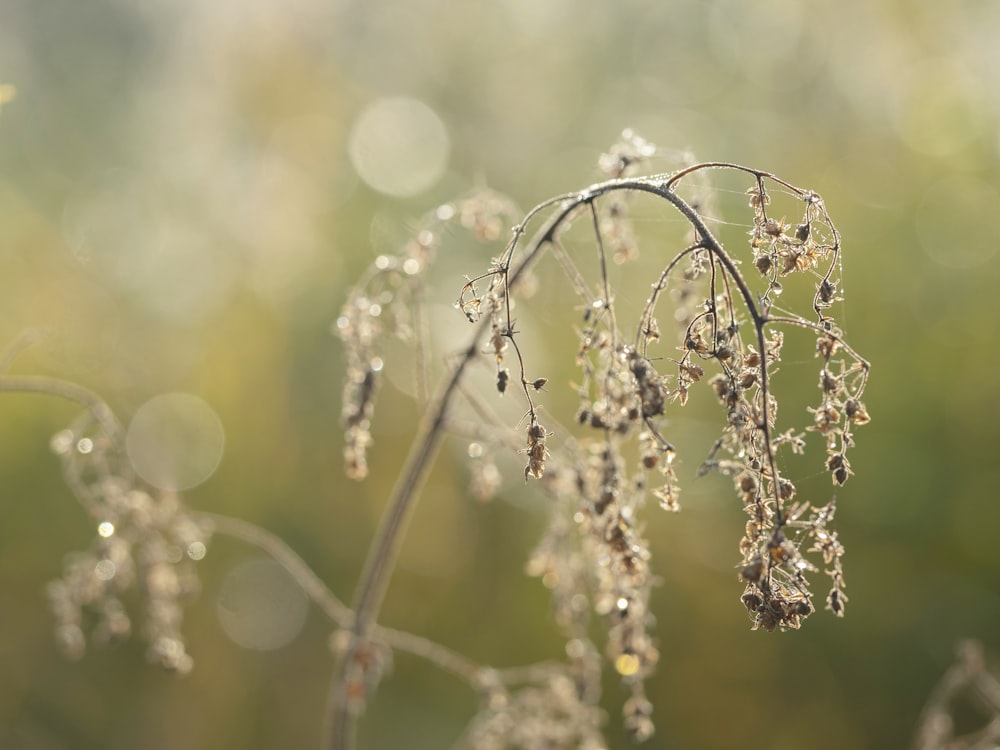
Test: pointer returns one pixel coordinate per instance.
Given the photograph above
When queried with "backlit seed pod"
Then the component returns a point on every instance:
(503, 377)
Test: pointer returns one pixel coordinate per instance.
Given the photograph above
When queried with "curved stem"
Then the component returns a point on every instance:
(338, 612)
(286, 557)
(382, 555)
(67, 390)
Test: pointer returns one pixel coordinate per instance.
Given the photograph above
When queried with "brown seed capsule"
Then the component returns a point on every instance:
(752, 600)
(503, 376)
(836, 602)
(748, 483)
(826, 346)
(828, 382)
(763, 264)
(774, 227)
(856, 411)
(786, 490)
(801, 607)
(753, 570)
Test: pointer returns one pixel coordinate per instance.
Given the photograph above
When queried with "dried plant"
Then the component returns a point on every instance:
(966, 682)
(711, 320)
(594, 556)
(145, 540)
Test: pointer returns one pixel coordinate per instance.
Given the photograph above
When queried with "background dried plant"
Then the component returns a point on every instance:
(180, 206)
(963, 710)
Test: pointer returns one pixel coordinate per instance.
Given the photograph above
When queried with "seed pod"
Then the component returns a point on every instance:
(503, 376)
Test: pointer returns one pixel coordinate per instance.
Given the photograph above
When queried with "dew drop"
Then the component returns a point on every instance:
(61, 442)
(627, 665)
(85, 446)
(777, 288)
(105, 529)
(105, 570)
(475, 450)
(196, 550)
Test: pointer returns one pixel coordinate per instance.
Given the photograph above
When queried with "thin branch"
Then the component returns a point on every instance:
(68, 391)
(312, 585)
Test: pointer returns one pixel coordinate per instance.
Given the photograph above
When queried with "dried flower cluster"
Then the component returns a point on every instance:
(967, 683)
(144, 542)
(540, 706)
(629, 381)
(388, 301)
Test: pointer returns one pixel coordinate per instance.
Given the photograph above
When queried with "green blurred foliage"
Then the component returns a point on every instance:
(179, 210)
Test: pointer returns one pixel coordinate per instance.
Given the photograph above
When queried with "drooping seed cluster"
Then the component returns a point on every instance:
(551, 714)
(963, 709)
(144, 543)
(727, 321)
(388, 302)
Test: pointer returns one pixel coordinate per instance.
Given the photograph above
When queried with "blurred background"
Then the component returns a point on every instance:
(188, 190)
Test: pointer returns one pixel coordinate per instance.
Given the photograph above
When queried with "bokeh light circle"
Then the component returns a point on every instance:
(938, 112)
(175, 441)
(399, 146)
(260, 606)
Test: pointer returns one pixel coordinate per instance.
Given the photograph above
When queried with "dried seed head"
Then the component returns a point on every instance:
(826, 346)
(763, 263)
(856, 411)
(758, 197)
(753, 570)
(503, 377)
(536, 451)
(827, 290)
(774, 228)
